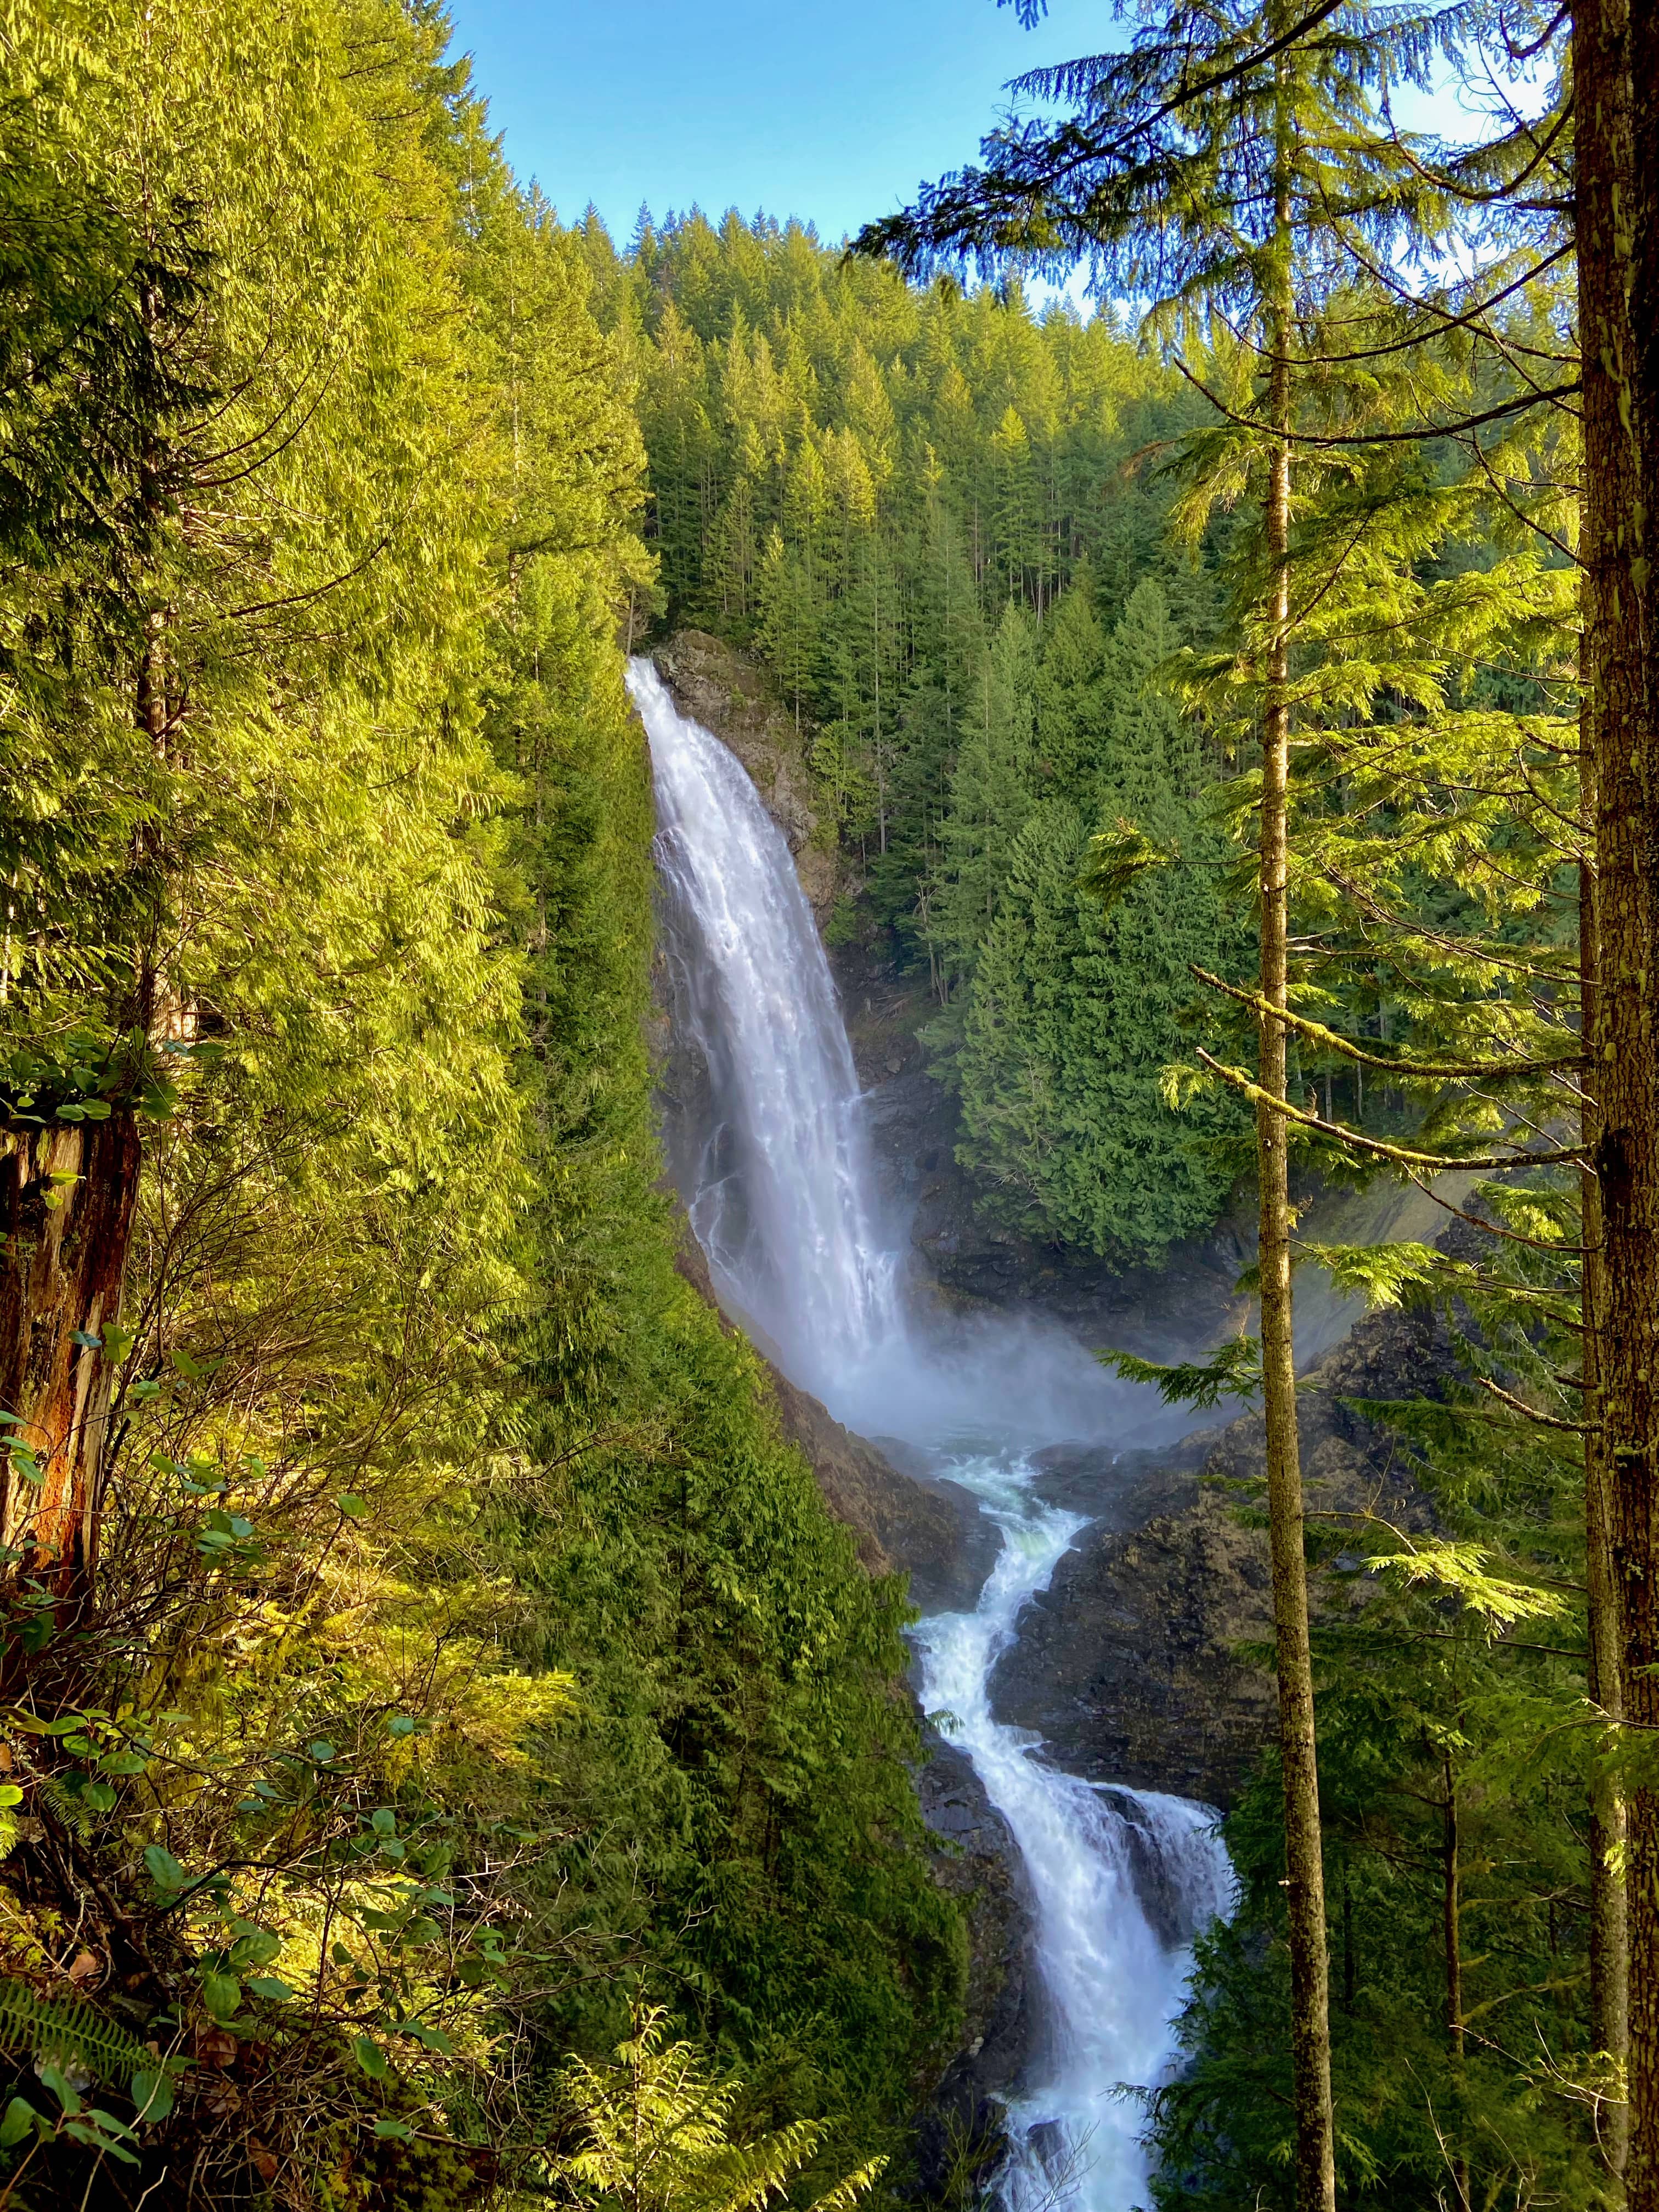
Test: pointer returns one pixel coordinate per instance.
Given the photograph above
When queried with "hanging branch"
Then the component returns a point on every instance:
(1424, 1071)
(1571, 1155)
(1324, 442)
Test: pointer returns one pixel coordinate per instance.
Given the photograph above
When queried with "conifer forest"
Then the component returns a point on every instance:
(829, 1136)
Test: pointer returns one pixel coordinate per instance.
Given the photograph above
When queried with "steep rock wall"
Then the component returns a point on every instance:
(1129, 1665)
(930, 1530)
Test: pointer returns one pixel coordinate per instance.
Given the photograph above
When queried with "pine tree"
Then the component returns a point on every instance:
(993, 792)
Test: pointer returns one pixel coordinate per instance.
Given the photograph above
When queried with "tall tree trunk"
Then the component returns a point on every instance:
(68, 1195)
(1609, 1921)
(1310, 2032)
(1631, 1100)
(1451, 1917)
(1451, 1911)
(1622, 1077)
(67, 1200)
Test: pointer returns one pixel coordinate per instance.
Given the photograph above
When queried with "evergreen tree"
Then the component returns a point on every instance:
(994, 789)
(327, 844)
(1237, 191)
(1076, 1010)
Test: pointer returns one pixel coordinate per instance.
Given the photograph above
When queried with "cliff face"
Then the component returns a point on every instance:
(1128, 1665)
(960, 2138)
(929, 1529)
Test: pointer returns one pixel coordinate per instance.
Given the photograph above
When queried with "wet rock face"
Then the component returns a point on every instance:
(960, 2138)
(739, 701)
(930, 1529)
(1126, 1668)
(1127, 1665)
(1165, 1896)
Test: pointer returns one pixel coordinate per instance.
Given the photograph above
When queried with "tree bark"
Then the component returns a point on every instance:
(1621, 1075)
(1451, 1911)
(67, 1200)
(1310, 2034)
(1451, 1916)
(1609, 1920)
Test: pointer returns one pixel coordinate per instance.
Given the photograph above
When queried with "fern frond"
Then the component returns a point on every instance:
(68, 2033)
(846, 2194)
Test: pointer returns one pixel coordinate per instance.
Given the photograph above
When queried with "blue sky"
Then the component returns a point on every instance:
(832, 110)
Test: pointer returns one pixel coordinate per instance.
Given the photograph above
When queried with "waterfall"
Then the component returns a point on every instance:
(781, 1196)
(1114, 1982)
(782, 1203)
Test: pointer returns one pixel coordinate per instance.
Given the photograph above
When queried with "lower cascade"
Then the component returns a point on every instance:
(783, 1198)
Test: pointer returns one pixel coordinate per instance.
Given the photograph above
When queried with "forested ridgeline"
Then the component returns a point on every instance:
(422, 1654)
(939, 519)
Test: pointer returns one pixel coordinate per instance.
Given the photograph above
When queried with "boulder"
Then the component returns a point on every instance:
(961, 2137)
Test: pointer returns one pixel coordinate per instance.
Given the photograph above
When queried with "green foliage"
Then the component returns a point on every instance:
(1078, 1004)
(466, 1648)
(1457, 1749)
(1233, 1371)
(1439, 1815)
(1116, 858)
(657, 2136)
(68, 2033)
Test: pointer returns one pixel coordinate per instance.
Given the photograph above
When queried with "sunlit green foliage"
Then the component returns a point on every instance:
(467, 1652)
(658, 2137)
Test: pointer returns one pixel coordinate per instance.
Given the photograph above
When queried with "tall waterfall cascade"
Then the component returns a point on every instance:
(783, 1205)
(783, 1199)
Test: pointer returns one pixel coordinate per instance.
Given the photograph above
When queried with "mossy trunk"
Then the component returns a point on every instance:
(1609, 1929)
(1621, 1078)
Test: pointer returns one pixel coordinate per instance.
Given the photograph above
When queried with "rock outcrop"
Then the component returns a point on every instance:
(1128, 1666)
(930, 1529)
(739, 701)
(960, 2138)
